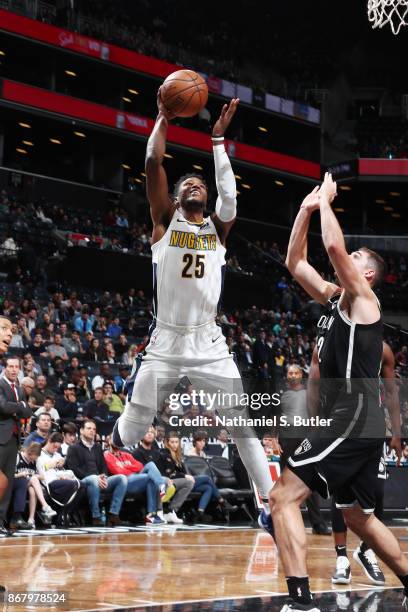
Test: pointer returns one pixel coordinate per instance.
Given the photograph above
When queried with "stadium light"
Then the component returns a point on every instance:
(238, 177)
(126, 166)
(245, 186)
(262, 129)
(395, 194)
(22, 151)
(380, 202)
(133, 91)
(168, 156)
(70, 73)
(24, 125)
(55, 141)
(279, 183)
(388, 208)
(28, 143)
(125, 99)
(80, 134)
(345, 187)
(2, 53)
(340, 210)
(197, 167)
(396, 215)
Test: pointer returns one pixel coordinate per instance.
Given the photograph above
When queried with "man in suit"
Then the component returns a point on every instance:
(13, 407)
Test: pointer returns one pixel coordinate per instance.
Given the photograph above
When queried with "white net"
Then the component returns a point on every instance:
(392, 12)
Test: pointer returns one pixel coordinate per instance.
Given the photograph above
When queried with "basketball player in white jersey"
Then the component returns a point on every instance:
(188, 255)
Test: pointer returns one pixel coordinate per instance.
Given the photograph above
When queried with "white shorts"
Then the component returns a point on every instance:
(199, 353)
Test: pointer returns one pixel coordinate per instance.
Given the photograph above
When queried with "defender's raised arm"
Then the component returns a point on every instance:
(296, 259)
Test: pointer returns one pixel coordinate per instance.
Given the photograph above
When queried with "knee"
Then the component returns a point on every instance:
(122, 480)
(276, 498)
(92, 481)
(355, 518)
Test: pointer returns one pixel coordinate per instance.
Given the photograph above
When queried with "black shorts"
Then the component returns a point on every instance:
(346, 468)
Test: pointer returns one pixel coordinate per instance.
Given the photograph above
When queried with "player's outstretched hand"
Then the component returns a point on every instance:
(312, 200)
(328, 188)
(162, 109)
(227, 113)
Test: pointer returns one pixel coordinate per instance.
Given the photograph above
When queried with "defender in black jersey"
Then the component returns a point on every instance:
(343, 462)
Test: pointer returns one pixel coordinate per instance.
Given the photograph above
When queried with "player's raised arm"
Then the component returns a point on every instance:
(391, 398)
(226, 205)
(161, 206)
(349, 276)
(296, 259)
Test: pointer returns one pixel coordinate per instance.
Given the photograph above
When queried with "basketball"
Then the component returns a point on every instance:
(184, 93)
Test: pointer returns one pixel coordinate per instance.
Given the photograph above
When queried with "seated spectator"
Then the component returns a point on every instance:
(114, 328)
(62, 485)
(404, 456)
(17, 340)
(147, 450)
(121, 346)
(69, 433)
(83, 323)
(82, 391)
(58, 377)
(86, 460)
(129, 357)
(95, 408)
(199, 442)
(73, 344)
(271, 445)
(120, 381)
(171, 465)
(38, 347)
(56, 349)
(140, 478)
(103, 376)
(94, 351)
(42, 431)
(112, 400)
(26, 480)
(222, 440)
(48, 408)
(66, 404)
(41, 390)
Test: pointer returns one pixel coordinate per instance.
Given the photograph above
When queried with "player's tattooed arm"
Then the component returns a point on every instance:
(296, 259)
(161, 205)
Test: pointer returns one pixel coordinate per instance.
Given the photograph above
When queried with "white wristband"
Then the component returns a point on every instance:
(217, 138)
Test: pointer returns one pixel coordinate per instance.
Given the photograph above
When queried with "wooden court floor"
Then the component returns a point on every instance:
(164, 568)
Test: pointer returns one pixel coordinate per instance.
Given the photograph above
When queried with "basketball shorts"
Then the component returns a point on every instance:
(199, 354)
(346, 468)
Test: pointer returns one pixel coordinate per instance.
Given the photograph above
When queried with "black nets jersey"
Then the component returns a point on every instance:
(350, 363)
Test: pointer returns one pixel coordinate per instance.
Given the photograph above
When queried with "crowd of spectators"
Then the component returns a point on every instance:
(182, 38)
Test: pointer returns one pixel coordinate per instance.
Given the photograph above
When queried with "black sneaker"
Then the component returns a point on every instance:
(368, 562)
(342, 574)
(292, 606)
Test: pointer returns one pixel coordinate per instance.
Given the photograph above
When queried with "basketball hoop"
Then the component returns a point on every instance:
(392, 12)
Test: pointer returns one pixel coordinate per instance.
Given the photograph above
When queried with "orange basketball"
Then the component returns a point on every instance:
(184, 93)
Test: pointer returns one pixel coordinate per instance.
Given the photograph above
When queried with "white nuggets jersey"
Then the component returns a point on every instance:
(188, 272)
